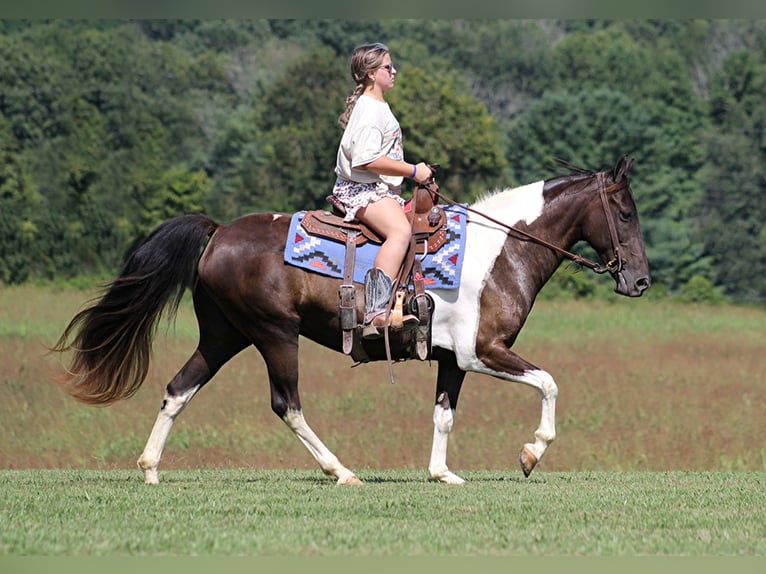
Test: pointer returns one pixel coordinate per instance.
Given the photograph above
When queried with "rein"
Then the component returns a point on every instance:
(613, 266)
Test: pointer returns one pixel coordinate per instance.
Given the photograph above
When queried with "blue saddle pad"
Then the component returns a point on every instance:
(441, 270)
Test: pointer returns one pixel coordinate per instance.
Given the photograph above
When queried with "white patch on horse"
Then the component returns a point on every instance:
(437, 466)
(328, 462)
(172, 406)
(456, 314)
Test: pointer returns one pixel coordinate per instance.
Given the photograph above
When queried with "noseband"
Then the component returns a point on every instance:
(613, 266)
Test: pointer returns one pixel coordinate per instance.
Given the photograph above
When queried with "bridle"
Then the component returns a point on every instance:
(613, 266)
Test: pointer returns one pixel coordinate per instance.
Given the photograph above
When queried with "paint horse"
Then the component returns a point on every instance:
(245, 295)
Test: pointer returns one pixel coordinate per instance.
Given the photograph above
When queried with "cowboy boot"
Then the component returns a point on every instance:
(377, 293)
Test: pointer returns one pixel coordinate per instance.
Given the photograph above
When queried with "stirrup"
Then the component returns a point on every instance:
(409, 322)
(375, 327)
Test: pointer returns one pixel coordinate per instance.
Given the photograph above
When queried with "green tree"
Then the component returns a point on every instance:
(290, 166)
(639, 61)
(18, 204)
(507, 63)
(590, 129)
(734, 206)
(107, 127)
(443, 123)
(177, 191)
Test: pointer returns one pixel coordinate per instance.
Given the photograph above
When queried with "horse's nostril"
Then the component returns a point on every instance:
(643, 283)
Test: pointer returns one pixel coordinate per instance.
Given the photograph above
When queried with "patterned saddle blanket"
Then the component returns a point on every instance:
(441, 269)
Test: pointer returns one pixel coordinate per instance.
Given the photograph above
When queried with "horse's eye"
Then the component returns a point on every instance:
(626, 216)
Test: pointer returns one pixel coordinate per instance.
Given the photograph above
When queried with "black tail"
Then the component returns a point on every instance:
(112, 337)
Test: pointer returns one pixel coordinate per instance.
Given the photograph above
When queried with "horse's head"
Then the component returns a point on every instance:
(612, 228)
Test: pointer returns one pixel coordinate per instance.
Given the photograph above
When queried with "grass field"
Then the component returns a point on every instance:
(660, 446)
(643, 385)
(288, 513)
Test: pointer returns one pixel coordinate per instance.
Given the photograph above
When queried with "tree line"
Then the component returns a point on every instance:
(108, 128)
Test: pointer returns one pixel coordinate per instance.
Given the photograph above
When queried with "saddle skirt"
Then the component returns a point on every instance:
(316, 242)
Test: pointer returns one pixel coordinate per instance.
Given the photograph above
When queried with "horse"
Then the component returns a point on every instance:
(244, 294)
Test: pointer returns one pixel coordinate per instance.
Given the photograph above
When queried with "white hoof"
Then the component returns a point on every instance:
(351, 480)
(151, 476)
(447, 477)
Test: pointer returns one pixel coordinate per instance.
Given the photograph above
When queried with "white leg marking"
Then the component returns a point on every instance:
(546, 432)
(546, 386)
(150, 458)
(437, 467)
(328, 462)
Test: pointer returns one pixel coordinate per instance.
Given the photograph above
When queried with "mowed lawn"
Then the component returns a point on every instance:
(396, 513)
(660, 446)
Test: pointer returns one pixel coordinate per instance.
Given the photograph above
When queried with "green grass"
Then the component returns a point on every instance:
(396, 513)
(640, 319)
(643, 385)
(38, 312)
(659, 418)
(41, 313)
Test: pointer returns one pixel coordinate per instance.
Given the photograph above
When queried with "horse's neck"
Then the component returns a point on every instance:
(545, 210)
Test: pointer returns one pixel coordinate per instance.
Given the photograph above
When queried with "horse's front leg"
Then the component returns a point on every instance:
(531, 453)
(498, 360)
(448, 383)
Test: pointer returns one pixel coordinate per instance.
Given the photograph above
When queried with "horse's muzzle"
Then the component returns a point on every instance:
(631, 285)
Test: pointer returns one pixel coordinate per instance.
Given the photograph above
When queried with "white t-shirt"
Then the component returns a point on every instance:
(372, 132)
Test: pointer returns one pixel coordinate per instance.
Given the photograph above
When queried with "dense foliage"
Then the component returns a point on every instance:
(109, 127)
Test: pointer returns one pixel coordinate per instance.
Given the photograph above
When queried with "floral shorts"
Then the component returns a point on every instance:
(354, 196)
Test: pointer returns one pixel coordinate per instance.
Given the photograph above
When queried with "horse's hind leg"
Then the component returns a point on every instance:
(281, 358)
(219, 342)
(192, 376)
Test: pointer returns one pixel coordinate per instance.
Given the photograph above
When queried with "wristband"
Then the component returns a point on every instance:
(414, 171)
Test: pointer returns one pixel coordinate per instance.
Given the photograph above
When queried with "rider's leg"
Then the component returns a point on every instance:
(387, 218)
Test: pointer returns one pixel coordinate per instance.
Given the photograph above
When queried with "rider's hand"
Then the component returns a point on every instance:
(422, 173)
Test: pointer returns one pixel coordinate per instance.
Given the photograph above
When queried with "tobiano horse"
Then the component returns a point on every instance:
(245, 295)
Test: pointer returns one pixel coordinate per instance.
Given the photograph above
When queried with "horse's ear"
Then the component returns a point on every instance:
(622, 168)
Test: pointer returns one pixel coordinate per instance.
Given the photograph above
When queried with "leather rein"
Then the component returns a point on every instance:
(613, 266)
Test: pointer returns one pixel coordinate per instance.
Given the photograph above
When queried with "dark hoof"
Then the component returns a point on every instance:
(527, 460)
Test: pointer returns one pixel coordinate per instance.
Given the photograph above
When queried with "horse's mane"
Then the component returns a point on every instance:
(575, 179)
(573, 169)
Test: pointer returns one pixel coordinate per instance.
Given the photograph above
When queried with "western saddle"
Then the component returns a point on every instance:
(429, 233)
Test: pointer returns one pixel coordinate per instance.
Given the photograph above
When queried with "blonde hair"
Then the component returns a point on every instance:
(364, 59)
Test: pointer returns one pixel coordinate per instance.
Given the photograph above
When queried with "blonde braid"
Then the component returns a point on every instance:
(350, 103)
